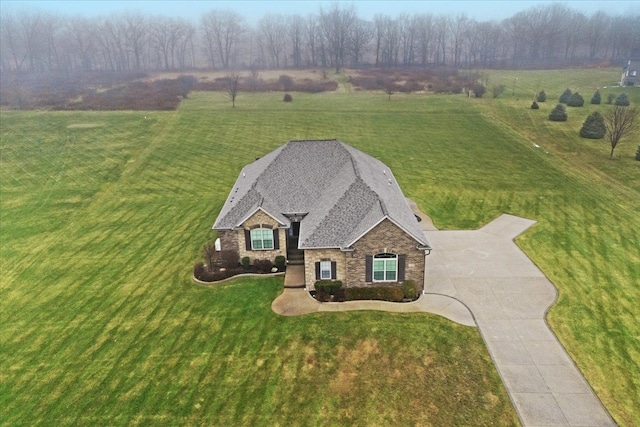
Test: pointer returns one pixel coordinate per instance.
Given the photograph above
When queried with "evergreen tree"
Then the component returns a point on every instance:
(596, 98)
(558, 114)
(622, 100)
(575, 100)
(564, 98)
(593, 127)
(542, 96)
(534, 105)
(638, 153)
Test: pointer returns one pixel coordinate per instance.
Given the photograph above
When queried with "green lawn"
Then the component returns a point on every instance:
(100, 227)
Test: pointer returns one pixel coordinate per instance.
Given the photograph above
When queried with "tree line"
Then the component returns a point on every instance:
(549, 35)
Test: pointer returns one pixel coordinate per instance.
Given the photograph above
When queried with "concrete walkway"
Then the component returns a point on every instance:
(480, 277)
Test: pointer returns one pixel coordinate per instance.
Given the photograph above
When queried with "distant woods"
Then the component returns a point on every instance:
(548, 35)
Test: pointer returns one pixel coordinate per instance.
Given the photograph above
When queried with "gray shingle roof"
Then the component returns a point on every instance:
(342, 191)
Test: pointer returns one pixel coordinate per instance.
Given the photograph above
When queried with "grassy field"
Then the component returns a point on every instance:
(103, 215)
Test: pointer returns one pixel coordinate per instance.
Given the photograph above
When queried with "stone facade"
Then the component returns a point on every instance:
(311, 256)
(257, 219)
(386, 237)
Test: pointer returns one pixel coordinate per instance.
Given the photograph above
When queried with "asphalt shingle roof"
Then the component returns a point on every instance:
(342, 192)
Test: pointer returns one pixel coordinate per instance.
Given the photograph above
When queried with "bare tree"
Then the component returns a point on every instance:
(425, 24)
(233, 83)
(337, 24)
(295, 29)
(620, 122)
(273, 32)
(312, 36)
(222, 30)
(408, 33)
(458, 30)
(137, 32)
(80, 43)
(359, 38)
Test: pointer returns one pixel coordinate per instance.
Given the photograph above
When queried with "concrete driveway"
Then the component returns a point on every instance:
(480, 277)
(509, 296)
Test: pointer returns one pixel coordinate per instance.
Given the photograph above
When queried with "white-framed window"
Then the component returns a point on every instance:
(385, 267)
(261, 239)
(325, 270)
(633, 73)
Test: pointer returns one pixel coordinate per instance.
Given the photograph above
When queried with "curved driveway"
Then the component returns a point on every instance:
(509, 296)
(480, 277)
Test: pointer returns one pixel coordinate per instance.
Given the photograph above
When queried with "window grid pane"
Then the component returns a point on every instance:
(325, 270)
(385, 268)
(261, 238)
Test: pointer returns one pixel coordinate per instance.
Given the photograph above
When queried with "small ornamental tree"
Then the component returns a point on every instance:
(622, 100)
(620, 122)
(575, 100)
(542, 96)
(558, 114)
(564, 98)
(534, 105)
(595, 99)
(497, 90)
(593, 127)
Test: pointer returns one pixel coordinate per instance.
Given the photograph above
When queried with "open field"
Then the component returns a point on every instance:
(101, 225)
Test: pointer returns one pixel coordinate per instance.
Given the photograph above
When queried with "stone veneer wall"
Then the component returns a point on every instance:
(311, 256)
(385, 237)
(235, 238)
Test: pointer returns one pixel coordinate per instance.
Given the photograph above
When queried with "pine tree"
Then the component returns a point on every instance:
(542, 96)
(558, 114)
(534, 105)
(638, 153)
(593, 127)
(575, 100)
(622, 100)
(595, 99)
(564, 98)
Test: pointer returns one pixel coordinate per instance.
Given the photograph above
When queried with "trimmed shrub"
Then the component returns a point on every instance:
(381, 293)
(280, 262)
(542, 96)
(595, 99)
(558, 114)
(340, 295)
(479, 90)
(323, 296)
(610, 98)
(622, 100)
(262, 266)
(409, 289)
(246, 262)
(287, 98)
(575, 100)
(564, 98)
(329, 286)
(593, 127)
(534, 105)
